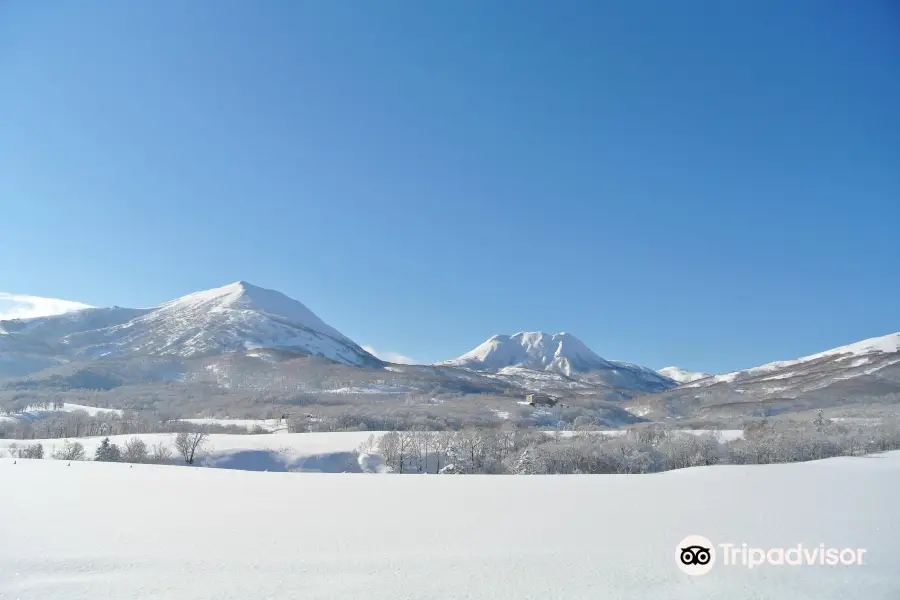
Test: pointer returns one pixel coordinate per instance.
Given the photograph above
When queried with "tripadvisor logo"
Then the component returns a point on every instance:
(696, 555)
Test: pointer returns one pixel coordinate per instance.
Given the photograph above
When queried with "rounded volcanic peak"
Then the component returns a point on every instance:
(244, 296)
(559, 352)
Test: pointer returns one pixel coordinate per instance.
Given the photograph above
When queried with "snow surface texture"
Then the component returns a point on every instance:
(682, 375)
(873, 346)
(101, 530)
(562, 354)
(239, 316)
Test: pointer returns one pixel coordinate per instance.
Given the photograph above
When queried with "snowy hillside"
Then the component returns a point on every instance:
(238, 316)
(682, 375)
(848, 357)
(570, 363)
(866, 373)
(183, 533)
(56, 327)
(36, 414)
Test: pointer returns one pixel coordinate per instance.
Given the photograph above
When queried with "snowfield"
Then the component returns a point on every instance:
(331, 452)
(34, 414)
(107, 530)
(320, 452)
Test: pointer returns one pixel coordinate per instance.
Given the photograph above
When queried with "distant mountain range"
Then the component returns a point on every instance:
(241, 336)
(860, 373)
(243, 319)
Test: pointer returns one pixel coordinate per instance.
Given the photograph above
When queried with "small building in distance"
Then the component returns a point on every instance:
(540, 400)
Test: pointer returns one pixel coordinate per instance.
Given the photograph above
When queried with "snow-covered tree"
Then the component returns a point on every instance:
(107, 452)
(70, 451)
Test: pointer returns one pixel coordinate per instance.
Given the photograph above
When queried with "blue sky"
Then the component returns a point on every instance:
(702, 183)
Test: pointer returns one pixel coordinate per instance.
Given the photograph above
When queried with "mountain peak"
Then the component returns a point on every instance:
(244, 296)
(559, 352)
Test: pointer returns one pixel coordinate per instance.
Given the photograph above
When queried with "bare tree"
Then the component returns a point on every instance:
(441, 443)
(405, 442)
(70, 451)
(135, 451)
(188, 444)
(79, 419)
(423, 444)
(160, 453)
(387, 447)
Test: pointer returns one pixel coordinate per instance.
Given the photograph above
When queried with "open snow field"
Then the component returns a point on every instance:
(330, 452)
(321, 452)
(108, 530)
(35, 414)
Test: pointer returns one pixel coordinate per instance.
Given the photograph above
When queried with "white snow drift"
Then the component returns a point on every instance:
(102, 530)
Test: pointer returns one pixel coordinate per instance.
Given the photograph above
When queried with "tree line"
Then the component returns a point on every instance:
(80, 423)
(646, 449)
(135, 450)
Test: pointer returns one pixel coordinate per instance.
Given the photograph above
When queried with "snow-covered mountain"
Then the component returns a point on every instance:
(851, 360)
(511, 357)
(682, 375)
(560, 352)
(865, 372)
(236, 317)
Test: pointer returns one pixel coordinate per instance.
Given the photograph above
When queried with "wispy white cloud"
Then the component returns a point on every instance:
(393, 357)
(22, 306)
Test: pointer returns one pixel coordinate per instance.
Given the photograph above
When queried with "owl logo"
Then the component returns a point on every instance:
(695, 555)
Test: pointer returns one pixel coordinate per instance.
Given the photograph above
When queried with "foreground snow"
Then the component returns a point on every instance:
(99, 530)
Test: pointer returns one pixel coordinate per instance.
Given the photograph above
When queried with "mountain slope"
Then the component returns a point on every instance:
(836, 357)
(235, 317)
(682, 375)
(562, 355)
(865, 372)
(56, 327)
